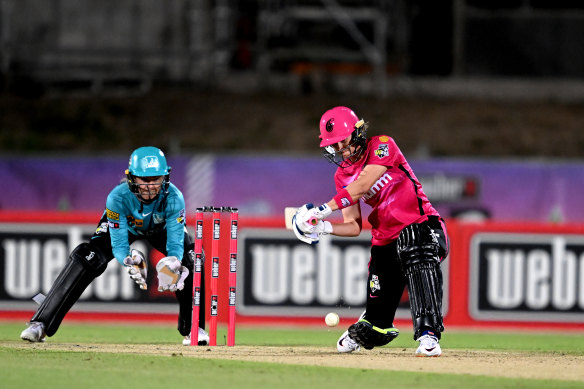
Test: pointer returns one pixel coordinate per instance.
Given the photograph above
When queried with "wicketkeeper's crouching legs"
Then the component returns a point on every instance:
(86, 263)
(185, 296)
(419, 254)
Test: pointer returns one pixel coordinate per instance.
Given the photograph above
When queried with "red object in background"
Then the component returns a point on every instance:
(461, 235)
(233, 231)
(197, 269)
(458, 316)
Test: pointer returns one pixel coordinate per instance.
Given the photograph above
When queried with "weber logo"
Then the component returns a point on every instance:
(215, 267)
(32, 255)
(285, 276)
(199, 229)
(198, 262)
(216, 229)
(234, 229)
(450, 188)
(232, 296)
(214, 305)
(280, 275)
(197, 296)
(233, 263)
(536, 277)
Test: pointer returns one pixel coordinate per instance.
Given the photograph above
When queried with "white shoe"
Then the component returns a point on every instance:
(346, 344)
(35, 332)
(429, 347)
(203, 338)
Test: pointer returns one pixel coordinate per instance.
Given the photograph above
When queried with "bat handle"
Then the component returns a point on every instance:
(313, 221)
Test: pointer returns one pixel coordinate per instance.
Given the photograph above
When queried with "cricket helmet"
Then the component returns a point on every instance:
(337, 124)
(147, 162)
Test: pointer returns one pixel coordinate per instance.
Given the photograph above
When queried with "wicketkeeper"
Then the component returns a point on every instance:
(147, 206)
(409, 238)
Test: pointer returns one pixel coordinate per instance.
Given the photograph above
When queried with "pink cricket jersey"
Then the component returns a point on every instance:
(397, 198)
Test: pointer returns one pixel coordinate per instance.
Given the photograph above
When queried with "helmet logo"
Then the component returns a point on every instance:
(150, 162)
(330, 124)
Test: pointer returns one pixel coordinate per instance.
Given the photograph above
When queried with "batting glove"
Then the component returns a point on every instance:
(323, 228)
(313, 237)
(313, 214)
(137, 267)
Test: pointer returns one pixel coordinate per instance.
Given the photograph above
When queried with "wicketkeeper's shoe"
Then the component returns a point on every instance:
(35, 332)
(429, 347)
(203, 338)
(346, 344)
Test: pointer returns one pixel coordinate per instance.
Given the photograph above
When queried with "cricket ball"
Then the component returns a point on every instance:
(331, 319)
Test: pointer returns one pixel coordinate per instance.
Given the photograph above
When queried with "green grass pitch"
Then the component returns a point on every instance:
(23, 366)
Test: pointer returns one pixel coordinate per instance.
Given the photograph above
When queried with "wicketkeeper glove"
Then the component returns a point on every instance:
(137, 267)
(171, 274)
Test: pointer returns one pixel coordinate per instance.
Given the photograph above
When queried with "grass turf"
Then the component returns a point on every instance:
(33, 368)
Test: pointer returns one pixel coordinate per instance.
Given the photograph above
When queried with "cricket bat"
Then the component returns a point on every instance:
(288, 214)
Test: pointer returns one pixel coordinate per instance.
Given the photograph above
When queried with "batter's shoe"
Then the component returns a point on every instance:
(429, 347)
(346, 344)
(35, 332)
(203, 338)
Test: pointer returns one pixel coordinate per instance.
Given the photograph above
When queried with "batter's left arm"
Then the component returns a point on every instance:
(347, 200)
(358, 188)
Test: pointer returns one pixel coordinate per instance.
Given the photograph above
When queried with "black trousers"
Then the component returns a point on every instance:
(386, 281)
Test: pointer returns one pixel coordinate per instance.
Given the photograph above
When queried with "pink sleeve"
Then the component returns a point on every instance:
(383, 151)
(338, 184)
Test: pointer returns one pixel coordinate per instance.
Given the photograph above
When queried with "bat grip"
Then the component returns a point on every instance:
(313, 221)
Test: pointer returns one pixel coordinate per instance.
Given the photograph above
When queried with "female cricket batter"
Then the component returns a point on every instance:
(409, 239)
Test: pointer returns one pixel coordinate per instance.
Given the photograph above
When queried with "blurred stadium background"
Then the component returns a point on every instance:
(485, 98)
(446, 78)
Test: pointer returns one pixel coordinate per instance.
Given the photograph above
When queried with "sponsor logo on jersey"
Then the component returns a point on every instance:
(134, 222)
(112, 215)
(111, 225)
(382, 151)
(384, 180)
(181, 217)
